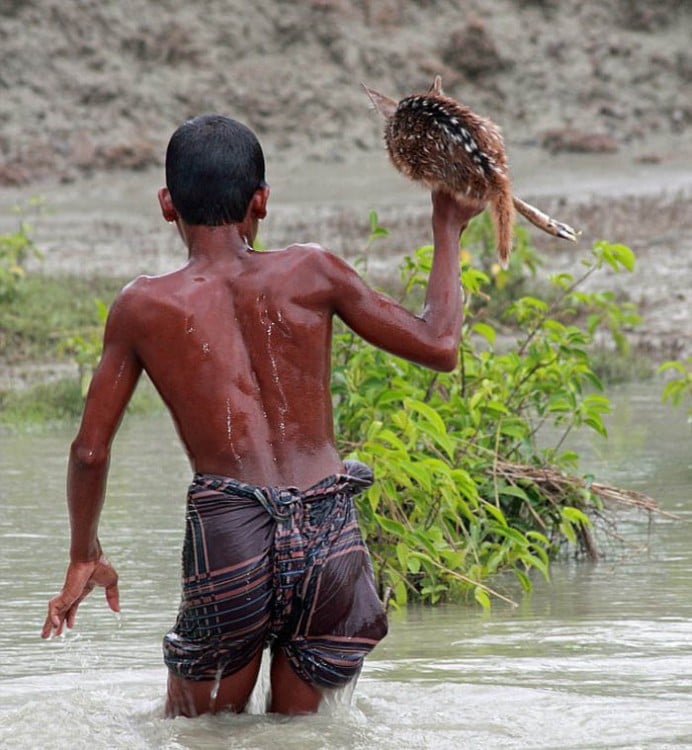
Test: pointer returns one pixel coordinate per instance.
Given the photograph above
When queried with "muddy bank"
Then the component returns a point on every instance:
(88, 86)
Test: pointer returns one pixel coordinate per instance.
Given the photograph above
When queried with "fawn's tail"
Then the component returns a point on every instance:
(544, 222)
(502, 213)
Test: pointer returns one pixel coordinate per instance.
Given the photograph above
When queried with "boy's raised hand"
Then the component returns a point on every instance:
(453, 211)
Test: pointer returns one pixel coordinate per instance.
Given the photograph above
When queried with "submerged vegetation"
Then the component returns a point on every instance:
(678, 388)
(469, 485)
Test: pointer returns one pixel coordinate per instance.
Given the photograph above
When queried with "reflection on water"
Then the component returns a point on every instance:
(600, 657)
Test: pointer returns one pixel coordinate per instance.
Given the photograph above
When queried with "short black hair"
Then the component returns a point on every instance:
(214, 165)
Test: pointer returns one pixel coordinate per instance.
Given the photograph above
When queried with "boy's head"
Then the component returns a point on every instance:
(214, 165)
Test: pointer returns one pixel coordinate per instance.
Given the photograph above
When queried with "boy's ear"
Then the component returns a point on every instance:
(167, 208)
(258, 204)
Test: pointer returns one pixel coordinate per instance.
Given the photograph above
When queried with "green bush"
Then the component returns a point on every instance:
(44, 403)
(63, 401)
(456, 499)
(85, 346)
(47, 311)
(15, 249)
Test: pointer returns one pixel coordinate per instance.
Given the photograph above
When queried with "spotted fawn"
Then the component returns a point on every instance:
(438, 141)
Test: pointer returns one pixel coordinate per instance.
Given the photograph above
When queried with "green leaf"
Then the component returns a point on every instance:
(481, 596)
(513, 491)
(495, 512)
(512, 534)
(523, 579)
(374, 495)
(427, 412)
(391, 526)
(486, 331)
(576, 516)
(402, 554)
(389, 438)
(400, 593)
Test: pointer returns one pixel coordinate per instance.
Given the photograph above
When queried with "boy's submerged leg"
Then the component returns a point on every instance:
(195, 697)
(291, 694)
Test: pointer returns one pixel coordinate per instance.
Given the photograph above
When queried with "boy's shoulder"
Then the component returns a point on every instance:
(312, 252)
(140, 287)
(301, 256)
(301, 249)
(139, 293)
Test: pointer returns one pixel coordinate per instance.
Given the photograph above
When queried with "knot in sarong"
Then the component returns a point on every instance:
(307, 524)
(283, 503)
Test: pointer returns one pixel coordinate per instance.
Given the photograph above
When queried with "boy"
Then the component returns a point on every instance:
(237, 343)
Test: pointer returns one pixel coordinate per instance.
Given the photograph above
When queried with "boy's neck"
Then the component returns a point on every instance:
(218, 242)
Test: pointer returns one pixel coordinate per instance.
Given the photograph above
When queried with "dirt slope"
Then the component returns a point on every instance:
(88, 86)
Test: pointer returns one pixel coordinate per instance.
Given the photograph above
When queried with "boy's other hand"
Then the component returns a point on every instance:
(80, 580)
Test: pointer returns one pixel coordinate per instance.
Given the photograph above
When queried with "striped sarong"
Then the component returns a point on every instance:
(280, 567)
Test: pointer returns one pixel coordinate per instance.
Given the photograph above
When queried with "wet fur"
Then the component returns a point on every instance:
(434, 139)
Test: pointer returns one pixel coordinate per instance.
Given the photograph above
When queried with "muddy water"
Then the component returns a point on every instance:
(600, 657)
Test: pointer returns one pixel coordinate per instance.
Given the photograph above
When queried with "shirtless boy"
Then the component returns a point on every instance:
(237, 343)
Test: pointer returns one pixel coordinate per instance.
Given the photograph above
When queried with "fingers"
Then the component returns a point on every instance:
(113, 597)
(72, 614)
(80, 580)
(50, 629)
(52, 625)
(105, 575)
(457, 209)
(62, 610)
(58, 612)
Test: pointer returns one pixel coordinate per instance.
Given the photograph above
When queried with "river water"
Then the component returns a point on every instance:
(599, 657)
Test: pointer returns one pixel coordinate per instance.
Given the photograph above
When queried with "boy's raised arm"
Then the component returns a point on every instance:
(431, 338)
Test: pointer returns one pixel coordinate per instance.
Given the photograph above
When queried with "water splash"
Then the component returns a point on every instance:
(229, 432)
(229, 423)
(338, 698)
(119, 375)
(282, 326)
(260, 698)
(283, 403)
(217, 685)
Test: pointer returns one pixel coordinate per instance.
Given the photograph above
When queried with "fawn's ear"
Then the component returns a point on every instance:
(383, 104)
(436, 87)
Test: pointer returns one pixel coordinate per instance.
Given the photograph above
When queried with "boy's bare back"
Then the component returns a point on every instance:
(238, 348)
(238, 345)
